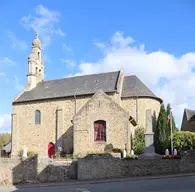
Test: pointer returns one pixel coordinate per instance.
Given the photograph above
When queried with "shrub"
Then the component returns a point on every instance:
(20, 153)
(62, 154)
(31, 153)
(184, 140)
(116, 150)
(139, 141)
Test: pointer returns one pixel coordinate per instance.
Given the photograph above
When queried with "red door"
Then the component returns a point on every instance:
(51, 150)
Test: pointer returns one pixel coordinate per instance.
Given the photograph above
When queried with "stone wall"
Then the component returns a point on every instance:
(93, 169)
(56, 125)
(36, 137)
(137, 109)
(35, 170)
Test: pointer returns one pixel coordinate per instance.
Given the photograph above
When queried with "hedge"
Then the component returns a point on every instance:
(184, 140)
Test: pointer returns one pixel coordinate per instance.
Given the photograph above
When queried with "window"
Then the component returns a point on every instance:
(100, 131)
(37, 117)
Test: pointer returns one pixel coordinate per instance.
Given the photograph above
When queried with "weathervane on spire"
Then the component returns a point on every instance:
(37, 35)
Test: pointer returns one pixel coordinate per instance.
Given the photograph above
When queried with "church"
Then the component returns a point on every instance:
(80, 114)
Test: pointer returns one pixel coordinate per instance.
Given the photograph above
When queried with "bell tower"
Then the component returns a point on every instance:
(35, 64)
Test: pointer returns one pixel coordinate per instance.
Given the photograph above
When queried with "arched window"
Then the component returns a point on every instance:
(100, 130)
(38, 55)
(37, 117)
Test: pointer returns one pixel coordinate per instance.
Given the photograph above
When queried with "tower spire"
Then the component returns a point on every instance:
(35, 64)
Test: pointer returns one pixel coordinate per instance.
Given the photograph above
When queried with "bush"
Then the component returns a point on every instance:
(139, 141)
(116, 150)
(31, 153)
(139, 148)
(184, 140)
(20, 153)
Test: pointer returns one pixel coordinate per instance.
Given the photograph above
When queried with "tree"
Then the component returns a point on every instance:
(160, 137)
(139, 141)
(4, 139)
(173, 121)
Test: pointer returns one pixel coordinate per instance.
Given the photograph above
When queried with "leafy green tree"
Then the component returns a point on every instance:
(139, 141)
(4, 139)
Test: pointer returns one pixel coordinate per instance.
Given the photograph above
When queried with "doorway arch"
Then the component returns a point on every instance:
(51, 150)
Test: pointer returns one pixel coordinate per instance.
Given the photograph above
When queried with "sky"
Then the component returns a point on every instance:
(154, 40)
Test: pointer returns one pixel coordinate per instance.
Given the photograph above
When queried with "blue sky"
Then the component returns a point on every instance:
(154, 40)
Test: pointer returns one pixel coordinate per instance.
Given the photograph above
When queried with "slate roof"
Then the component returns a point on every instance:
(188, 121)
(189, 113)
(77, 85)
(7, 147)
(86, 85)
(134, 87)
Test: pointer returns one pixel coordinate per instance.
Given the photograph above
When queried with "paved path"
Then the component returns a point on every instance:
(178, 184)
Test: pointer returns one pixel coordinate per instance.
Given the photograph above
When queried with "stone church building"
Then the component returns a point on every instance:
(79, 114)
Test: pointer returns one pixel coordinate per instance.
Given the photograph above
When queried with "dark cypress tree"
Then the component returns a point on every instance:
(160, 137)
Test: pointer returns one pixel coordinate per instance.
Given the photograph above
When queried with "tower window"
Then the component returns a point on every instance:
(38, 55)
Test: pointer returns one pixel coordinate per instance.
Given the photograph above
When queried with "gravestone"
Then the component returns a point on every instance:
(24, 155)
(149, 151)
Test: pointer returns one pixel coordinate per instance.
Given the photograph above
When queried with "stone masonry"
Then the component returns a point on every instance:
(100, 107)
(36, 137)
(35, 170)
(40, 170)
(108, 168)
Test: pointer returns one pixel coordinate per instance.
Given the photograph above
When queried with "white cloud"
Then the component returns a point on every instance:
(6, 61)
(15, 83)
(100, 45)
(5, 122)
(69, 63)
(2, 74)
(46, 58)
(45, 22)
(66, 47)
(17, 43)
(151, 68)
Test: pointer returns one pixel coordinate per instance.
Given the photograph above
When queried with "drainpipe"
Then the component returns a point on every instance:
(137, 109)
(75, 105)
(57, 128)
(56, 139)
(75, 111)
(12, 117)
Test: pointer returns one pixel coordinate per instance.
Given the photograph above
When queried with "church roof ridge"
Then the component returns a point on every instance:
(83, 75)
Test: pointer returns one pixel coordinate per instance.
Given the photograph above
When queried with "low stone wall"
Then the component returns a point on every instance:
(99, 168)
(35, 170)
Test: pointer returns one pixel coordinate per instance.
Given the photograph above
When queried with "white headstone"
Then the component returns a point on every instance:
(24, 152)
(132, 153)
(166, 152)
(59, 149)
(124, 153)
(175, 152)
